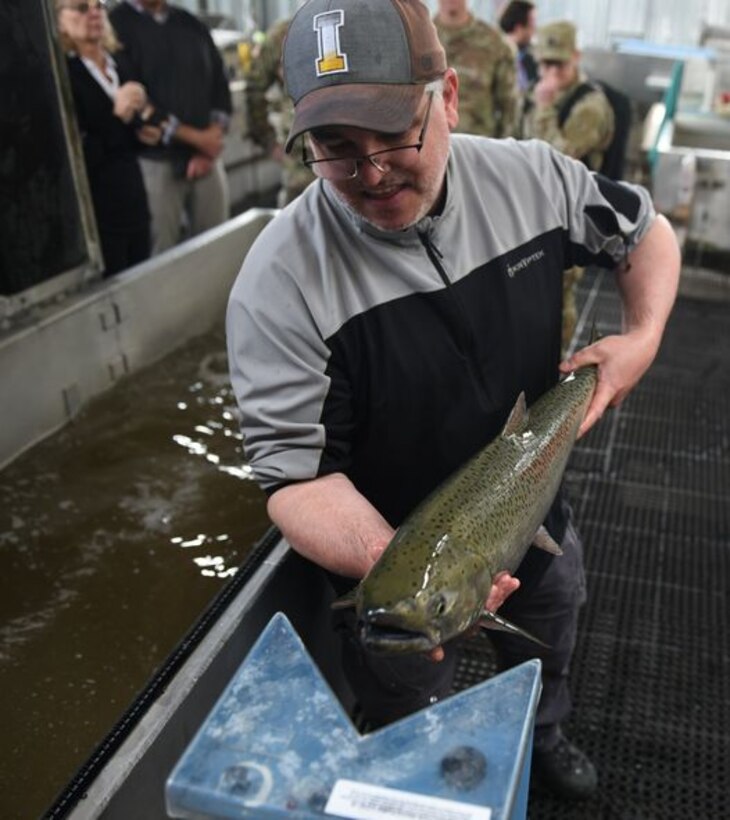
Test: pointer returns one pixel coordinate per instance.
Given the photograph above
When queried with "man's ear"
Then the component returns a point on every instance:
(451, 97)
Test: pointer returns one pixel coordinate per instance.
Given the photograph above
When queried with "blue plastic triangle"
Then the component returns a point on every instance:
(278, 740)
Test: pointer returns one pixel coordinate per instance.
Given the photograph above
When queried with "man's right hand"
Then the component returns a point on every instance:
(546, 91)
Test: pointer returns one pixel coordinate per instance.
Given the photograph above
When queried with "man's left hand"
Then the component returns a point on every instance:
(622, 361)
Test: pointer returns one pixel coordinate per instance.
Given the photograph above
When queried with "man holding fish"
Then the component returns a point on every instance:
(393, 323)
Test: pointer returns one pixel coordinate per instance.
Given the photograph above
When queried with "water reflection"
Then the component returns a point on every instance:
(114, 535)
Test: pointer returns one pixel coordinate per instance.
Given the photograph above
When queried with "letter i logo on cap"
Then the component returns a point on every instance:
(331, 59)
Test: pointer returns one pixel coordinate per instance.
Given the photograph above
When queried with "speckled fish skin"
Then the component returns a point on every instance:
(432, 580)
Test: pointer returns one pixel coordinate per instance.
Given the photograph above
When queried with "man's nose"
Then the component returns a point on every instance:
(371, 174)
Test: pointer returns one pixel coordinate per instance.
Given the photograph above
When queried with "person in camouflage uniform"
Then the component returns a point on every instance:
(485, 66)
(584, 132)
(271, 113)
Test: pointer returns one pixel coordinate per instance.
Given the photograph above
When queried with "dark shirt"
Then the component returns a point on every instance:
(527, 71)
(179, 65)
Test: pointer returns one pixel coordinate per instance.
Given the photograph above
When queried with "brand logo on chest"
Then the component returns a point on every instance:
(524, 263)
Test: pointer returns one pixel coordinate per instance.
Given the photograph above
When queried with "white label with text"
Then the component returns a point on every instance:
(362, 801)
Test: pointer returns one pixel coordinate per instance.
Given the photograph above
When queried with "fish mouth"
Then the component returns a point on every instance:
(381, 632)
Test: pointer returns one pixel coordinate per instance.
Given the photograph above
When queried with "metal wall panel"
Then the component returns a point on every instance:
(87, 343)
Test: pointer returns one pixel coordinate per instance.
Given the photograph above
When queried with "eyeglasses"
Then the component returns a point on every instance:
(85, 8)
(342, 168)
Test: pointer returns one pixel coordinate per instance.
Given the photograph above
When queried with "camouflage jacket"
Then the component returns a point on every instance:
(587, 130)
(487, 78)
(271, 111)
(265, 87)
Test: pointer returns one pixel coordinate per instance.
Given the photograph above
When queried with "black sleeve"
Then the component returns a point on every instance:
(220, 92)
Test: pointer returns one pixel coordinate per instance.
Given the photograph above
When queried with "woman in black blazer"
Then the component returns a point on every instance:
(109, 110)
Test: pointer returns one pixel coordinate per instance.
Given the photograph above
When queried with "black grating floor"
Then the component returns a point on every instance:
(650, 486)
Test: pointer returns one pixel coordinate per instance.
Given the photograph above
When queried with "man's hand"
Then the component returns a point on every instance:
(198, 166)
(546, 90)
(622, 361)
(503, 585)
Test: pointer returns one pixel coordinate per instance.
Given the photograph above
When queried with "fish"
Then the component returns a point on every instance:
(431, 582)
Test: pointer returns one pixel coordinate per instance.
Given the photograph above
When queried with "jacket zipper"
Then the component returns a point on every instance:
(435, 255)
(464, 331)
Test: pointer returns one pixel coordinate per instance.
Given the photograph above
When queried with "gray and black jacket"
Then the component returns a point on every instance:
(393, 357)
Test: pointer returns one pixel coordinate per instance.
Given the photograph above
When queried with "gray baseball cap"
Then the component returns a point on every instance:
(360, 63)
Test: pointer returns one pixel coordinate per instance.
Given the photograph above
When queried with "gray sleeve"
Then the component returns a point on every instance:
(277, 360)
(605, 219)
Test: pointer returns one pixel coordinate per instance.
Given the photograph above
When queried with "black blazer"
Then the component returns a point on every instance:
(110, 152)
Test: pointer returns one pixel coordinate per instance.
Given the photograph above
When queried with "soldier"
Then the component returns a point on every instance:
(583, 129)
(271, 113)
(576, 120)
(486, 69)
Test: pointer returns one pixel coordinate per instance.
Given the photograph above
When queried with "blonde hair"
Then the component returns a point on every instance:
(109, 39)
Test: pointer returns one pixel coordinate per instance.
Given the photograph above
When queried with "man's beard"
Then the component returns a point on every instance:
(424, 210)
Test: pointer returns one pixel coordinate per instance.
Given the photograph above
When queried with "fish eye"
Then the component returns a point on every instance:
(438, 604)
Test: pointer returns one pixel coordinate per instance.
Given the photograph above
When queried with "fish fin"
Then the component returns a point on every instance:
(490, 620)
(544, 541)
(346, 601)
(518, 418)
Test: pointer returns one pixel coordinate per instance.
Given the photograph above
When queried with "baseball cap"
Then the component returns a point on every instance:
(556, 41)
(360, 63)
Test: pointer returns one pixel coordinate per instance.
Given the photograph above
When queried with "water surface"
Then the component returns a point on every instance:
(114, 535)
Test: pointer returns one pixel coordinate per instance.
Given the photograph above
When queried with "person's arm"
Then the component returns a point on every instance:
(648, 289)
(207, 141)
(221, 104)
(329, 522)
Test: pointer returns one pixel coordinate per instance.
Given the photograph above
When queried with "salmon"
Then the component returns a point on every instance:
(431, 582)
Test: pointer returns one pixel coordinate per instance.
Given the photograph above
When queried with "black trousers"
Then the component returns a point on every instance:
(391, 687)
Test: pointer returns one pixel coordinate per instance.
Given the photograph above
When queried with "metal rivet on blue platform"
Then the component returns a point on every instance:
(464, 767)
